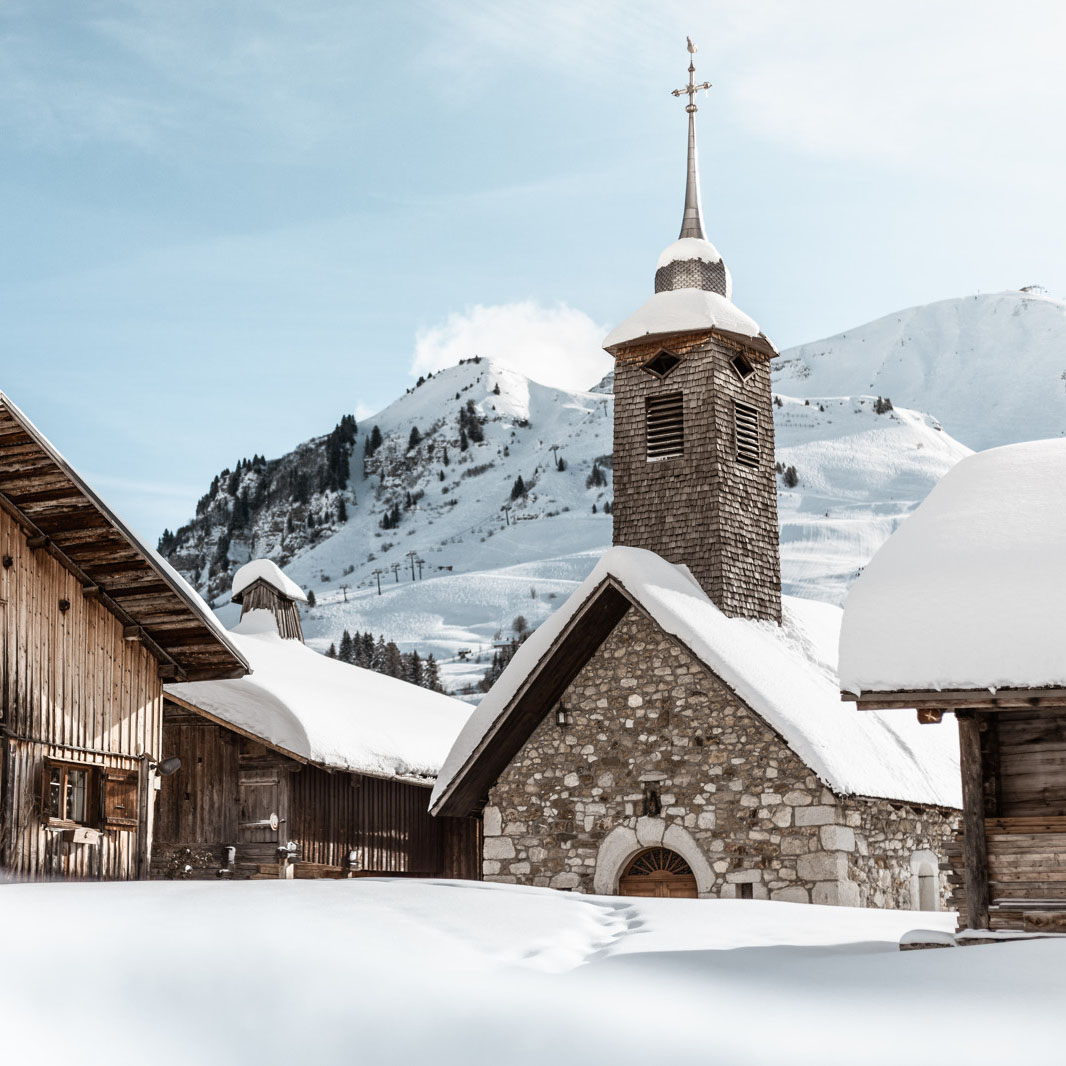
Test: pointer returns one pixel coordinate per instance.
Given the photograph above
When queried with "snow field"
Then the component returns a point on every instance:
(379, 971)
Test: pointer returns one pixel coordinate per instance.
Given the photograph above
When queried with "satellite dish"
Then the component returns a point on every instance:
(168, 766)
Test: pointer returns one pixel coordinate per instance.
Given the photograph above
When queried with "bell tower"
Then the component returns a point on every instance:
(694, 471)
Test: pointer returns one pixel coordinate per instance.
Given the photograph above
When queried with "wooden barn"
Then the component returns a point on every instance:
(308, 767)
(92, 622)
(961, 613)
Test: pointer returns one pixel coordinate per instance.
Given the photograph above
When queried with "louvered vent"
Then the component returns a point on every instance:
(746, 420)
(666, 426)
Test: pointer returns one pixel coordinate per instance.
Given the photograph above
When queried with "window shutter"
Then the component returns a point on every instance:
(746, 422)
(46, 790)
(665, 421)
(119, 789)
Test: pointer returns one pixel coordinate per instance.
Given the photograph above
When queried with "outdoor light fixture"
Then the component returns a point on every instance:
(8, 562)
(64, 606)
(168, 766)
(563, 716)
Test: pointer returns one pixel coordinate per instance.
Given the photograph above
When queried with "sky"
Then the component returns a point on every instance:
(228, 223)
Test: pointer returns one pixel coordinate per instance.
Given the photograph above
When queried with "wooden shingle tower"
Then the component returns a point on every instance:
(693, 433)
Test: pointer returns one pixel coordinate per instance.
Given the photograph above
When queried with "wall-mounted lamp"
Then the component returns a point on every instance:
(166, 767)
(563, 717)
(64, 606)
(8, 562)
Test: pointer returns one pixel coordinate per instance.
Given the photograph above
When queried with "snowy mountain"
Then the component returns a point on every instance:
(992, 368)
(365, 504)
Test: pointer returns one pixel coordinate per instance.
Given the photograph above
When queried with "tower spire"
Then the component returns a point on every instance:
(692, 221)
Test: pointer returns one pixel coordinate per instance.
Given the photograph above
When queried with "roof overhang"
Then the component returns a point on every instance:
(575, 645)
(984, 699)
(61, 514)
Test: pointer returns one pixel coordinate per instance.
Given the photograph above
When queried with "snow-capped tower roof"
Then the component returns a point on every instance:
(260, 585)
(692, 262)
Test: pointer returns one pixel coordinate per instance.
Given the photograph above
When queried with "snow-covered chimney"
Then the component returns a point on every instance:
(260, 585)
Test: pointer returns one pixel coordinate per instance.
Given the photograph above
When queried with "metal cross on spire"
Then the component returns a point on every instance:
(692, 222)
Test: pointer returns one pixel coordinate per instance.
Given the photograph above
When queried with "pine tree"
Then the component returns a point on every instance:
(518, 488)
(445, 459)
(342, 510)
(332, 653)
(415, 439)
(345, 653)
(463, 442)
(311, 601)
(431, 676)
(393, 660)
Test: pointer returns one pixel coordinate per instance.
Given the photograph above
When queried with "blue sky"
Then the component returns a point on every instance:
(226, 224)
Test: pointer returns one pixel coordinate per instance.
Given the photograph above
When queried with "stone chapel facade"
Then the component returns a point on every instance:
(613, 757)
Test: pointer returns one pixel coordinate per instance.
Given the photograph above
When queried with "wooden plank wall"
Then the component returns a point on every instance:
(71, 688)
(1022, 803)
(386, 821)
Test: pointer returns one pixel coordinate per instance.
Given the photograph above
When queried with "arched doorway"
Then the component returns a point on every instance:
(660, 873)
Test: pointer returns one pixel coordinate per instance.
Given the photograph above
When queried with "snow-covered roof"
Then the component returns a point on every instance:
(270, 572)
(684, 311)
(329, 712)
(785, 673)
(689, 248)
(967, 593)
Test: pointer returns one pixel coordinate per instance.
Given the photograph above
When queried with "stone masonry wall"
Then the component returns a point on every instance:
(704, 508)
(646, 715)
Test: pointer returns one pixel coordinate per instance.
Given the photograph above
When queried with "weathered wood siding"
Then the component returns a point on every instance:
(1014, 877)
(71, 688)
(228, 785)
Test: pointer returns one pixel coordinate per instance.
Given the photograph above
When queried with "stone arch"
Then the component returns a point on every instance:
(925, 881)
(622, 843)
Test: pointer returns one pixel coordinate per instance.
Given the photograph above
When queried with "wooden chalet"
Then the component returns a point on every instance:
(961, 612)
(93, 623)
(308, 767)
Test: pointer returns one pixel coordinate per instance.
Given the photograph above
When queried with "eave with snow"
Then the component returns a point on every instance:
(961, 611)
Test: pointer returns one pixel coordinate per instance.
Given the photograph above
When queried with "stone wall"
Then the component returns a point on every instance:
(658, 749)
(704, 508)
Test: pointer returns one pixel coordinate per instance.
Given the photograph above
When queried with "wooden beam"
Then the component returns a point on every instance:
(37, 541)
(974, 841)
(949, 699)
(132, 633)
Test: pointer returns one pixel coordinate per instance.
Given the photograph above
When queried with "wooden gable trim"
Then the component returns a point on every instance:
(569, 653)
(59, 513)
(1013, 699)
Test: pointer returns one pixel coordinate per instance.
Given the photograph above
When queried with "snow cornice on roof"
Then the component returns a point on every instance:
(962, 606)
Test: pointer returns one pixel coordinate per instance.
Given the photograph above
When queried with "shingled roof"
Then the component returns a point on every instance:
(61, 514)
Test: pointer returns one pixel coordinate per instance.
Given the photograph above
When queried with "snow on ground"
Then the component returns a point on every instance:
(860, 474)
(378, 971)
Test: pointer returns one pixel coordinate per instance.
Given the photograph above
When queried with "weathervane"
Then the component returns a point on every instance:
(692, 222)
(691, 89)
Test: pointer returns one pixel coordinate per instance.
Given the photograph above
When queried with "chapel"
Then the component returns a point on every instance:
(675, 728)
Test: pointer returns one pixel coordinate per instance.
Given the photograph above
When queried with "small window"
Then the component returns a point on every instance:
(746, 421)
(742, 365)
(665, 426)
(67, 793)
(662, 364)
(746, 890)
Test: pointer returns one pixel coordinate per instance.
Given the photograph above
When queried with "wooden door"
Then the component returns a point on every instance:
(658, 873)
(259, 818)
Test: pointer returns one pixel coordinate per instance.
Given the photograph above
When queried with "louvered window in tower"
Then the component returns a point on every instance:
(746, 421)
(665, 420)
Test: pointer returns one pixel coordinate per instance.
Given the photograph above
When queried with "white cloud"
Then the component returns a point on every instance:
(558, 346)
